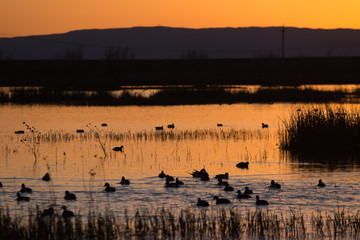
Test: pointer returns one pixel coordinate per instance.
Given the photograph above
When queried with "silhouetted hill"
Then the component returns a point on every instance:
(174, 43)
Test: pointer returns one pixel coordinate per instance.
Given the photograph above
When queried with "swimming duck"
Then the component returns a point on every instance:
(69, 196)
(222, 176)
(248, 191)
(261, 202)
(200, 173)
(242, 196)
(171, 126)
(108, 188)
(21, 198)
(118, 149)
(67, 213)
(124, 181)
(321, 184)
(25, 189)
(221, 200)
(162, 175)
(219, 125)
(228, 188)
(263, 125)
(48, 212)
(46, 177)
(221, 182)
(79, 130)
(244, 165)
(274, 185)
(177, 181)
(159, 128)
(170, 178)
(104, 124)
(202, 203)
(171, 185)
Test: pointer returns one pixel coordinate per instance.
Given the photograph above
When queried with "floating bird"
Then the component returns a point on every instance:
(263, 125)
(261, 202)
(171, 185)
(46, 177)
(48, 212)
(202, 203)
(219, 125)
(124, 181)
(67, 213)
(170, 178)
(19, 132)
(178, 182)
(69, 196)
(248, 191)
(108, 188)
(321, 184)
(202, 174)
(221, 200)
(243, 165)
(25, 189)
(222, 176)
(221, 182)
(159, 128)
(274, 185)
(242, 196)
(104, 124)
(118, 149)
(162, 175)
(228, 188)
(79, 130)
(171, 126)
(21, 198)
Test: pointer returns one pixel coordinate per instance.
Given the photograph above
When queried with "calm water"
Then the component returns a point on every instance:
(71, 157)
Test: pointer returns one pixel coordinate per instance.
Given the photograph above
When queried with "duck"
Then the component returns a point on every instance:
(159, 128)
(177, 181)
(321, 184)
(46, 177)
(171, 126)
(248, 191)
(48, 212)
(228, 188)
(261, 202)
(118, 149)
(200, 173)
(170, 178)
(69, 196)
(124, 181)
(274, 185)
(79, 130)
(205, 178)
(104, 124)
(108, 188)
(222, 176)
(21, 198)
(242, 196)
(244, 165)
(162, 175)
(202, 203)
(221, 182)
(67, 213)
(221, 200)
(263, 125)
(219, 125)
(25, 189)
(171, 185)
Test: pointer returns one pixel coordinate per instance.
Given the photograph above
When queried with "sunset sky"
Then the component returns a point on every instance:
(33, 17)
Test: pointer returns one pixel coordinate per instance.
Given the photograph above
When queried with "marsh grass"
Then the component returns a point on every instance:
(324, 129)
(185, 224)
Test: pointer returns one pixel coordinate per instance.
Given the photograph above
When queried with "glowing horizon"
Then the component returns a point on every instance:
(38, 17)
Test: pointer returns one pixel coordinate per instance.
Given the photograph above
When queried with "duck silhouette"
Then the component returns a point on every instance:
(244, 165)
(171, 126)
(67, 213)
(25, 189)
(228, 188)
(168, 184)
(108, 188)
(21, 198)
(221, 200)
(263, 125)
(221, 182)
(69, 196)
(321, 184)
(274, 185)
(242, 196)
(118, 149)
(48, 212)
(248, 191)
(159, 128)
(46, 177)
(261, 202)
(162, 175)
(202, 203)
(177, 181)
(222, 176)
(124, 181)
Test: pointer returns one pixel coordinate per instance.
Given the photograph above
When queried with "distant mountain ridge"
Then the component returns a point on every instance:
(175, 43)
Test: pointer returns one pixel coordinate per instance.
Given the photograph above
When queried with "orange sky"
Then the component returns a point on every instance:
(30, 17)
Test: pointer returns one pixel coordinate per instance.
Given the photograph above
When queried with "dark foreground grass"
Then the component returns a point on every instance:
(324, 129)
(187, 224)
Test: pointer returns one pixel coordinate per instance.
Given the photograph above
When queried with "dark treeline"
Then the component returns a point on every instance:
(113, 74)
(174, 96)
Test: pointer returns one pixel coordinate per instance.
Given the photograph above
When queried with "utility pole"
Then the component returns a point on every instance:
(282, 41)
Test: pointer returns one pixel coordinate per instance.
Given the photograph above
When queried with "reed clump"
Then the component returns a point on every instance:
(184, 224)
(323, 129)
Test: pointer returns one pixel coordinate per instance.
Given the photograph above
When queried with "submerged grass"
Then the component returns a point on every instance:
(323, 129)
(186, 224)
